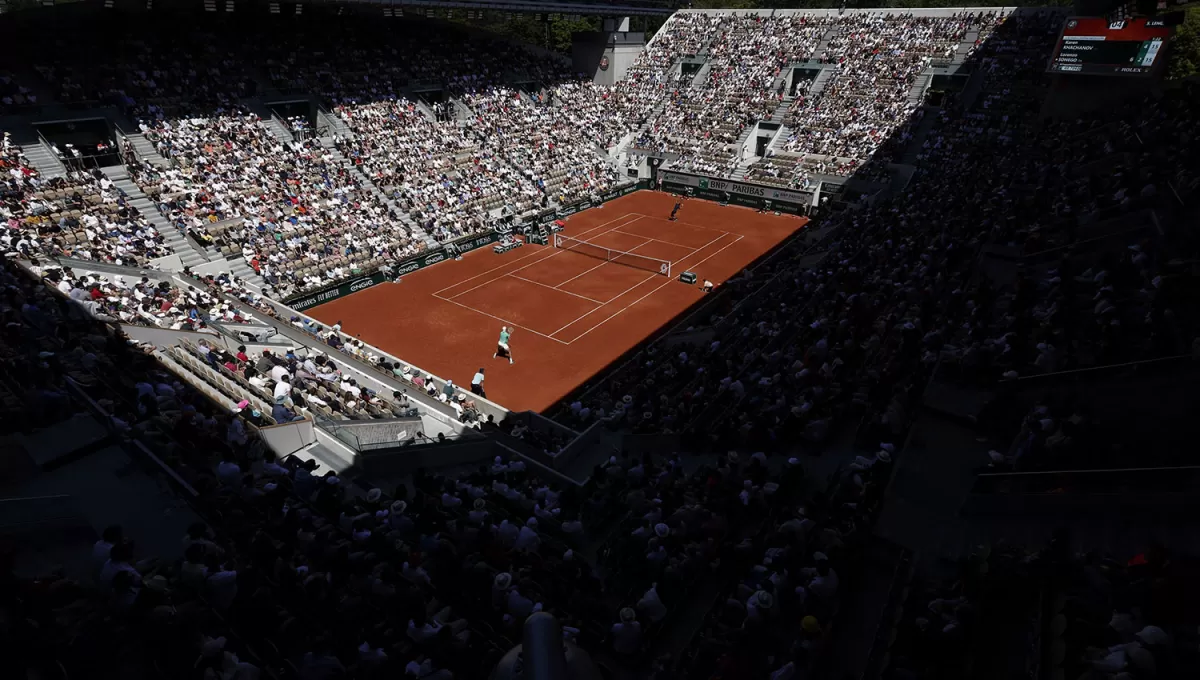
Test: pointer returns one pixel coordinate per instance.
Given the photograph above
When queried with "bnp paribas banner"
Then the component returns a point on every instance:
(711, 187)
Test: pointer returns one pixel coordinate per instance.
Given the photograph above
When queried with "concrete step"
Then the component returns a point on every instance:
(44, 160)
(413, 227)
(116, 173)
(964, 47)
(822, 79)
(241, 269)
(144, 148)
(277, 128)
(187, 252)
(917, 92)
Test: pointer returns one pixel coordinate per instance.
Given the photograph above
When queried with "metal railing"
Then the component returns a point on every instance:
(1107, 481)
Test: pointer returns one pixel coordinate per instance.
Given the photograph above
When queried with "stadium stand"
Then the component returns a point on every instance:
(1070, 253)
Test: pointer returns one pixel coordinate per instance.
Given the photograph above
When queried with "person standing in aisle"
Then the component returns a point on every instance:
(477, 384)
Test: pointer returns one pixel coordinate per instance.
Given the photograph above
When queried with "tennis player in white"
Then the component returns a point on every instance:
(502, 348)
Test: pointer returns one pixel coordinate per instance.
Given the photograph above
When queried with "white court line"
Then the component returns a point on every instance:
(618, 296)
(579, 275)
(498, 318)
(587, 314)
(695, 226)
(652, 292)
(606, 261)
(554, 254)
(543, 285)
(648, 239)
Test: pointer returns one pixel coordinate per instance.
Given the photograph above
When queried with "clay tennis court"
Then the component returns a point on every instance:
(574, 313)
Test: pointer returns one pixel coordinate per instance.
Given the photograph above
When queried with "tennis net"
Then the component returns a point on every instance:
(650, 264)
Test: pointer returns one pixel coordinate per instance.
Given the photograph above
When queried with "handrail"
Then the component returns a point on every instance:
(1035, 473)
(1085, 241)
(1106, 367)
(1175, 193)
(106, 418)
(1163, 484)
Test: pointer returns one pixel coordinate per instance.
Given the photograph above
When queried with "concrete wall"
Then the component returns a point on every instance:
(168, 263)
(288, 438)
(397, 462)
(165, 337)
(215, 267)
(622, 59)
(607, 57)
(378, 433)
(920, 12)
(587, 50)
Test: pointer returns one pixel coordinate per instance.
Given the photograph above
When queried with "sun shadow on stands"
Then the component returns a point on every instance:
(841, 337)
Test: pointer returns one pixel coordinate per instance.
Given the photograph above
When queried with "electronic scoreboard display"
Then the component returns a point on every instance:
(1097, 46)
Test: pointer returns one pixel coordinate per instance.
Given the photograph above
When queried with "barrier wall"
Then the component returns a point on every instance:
(310, 299)
(166, 337)
(382, 433)
(748, 194)
(391, 463)
(285, 439)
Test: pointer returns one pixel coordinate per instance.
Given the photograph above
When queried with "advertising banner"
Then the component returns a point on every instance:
(740, 193)
(313, 298)
(320, 297)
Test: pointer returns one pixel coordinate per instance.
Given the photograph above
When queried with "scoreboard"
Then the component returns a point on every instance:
(1097, 46)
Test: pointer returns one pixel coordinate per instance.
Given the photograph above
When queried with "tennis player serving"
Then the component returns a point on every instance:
(502, 349)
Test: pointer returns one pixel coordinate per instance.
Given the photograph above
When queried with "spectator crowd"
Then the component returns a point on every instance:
(299, 570)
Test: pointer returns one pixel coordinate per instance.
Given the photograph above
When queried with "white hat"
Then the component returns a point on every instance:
(374, 495)
(503, 580)
(531, 522)
(662, 530)
(398, 507)
(628, 615)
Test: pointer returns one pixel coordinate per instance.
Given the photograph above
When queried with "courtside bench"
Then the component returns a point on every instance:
(505, 247)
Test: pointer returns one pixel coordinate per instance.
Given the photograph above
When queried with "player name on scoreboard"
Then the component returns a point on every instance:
(1096, 46)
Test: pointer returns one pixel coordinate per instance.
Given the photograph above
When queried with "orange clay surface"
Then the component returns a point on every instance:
(573, 313)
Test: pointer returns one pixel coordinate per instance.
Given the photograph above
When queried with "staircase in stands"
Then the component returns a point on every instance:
(413, 228)
(41, 157)
(822, 79)
(336, 126)
(189, 255)
(144, 148)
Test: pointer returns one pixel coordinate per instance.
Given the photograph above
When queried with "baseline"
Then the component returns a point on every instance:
(689, 224)
(652, 292)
